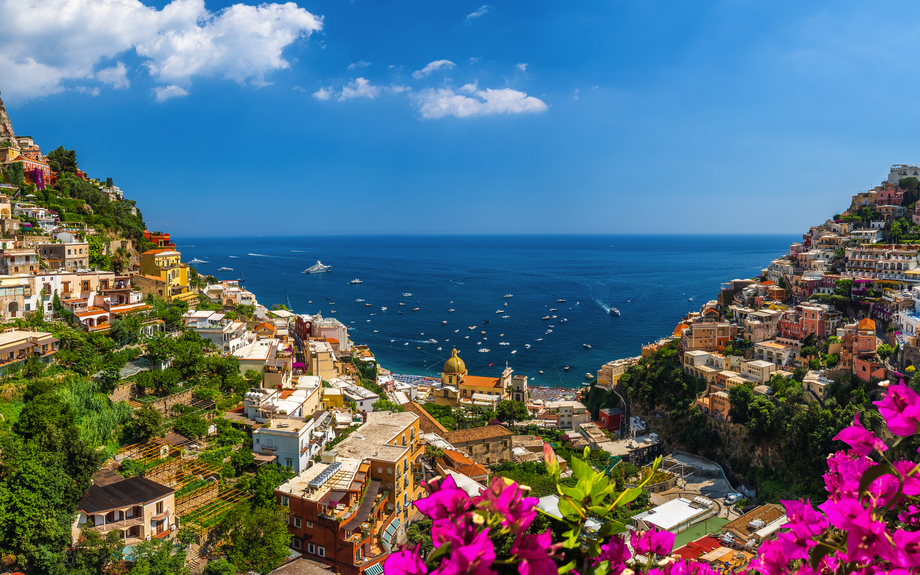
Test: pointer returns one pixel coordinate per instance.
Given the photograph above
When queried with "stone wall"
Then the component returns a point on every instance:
(125, 391)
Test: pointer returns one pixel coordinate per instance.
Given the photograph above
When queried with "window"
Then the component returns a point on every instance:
(309, 525)
(321, 551)
(380, 471)
(297, 522)
(285, 502)
(389, 471)
(295, 543)
(311, 548)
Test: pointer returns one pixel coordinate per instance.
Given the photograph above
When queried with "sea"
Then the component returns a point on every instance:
(574, 280)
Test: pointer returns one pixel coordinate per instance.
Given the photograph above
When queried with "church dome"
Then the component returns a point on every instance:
(454, 365)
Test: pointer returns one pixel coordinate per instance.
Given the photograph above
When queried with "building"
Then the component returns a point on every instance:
(610, 418)
(340, 515)
(427, 422)
(611, 372)
(363, 398)
(16, 258)
(460, 388)
(159, 239)
(137, 508)
(69, 257)
(18, 346)
(226, 335)
(900, 171)
(708, 336)
(484, 445)
(675, 515)
(756, 524)
(571, 413)
(163, 274)
(460, 463)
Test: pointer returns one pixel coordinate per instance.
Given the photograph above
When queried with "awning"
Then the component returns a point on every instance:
(375, 569)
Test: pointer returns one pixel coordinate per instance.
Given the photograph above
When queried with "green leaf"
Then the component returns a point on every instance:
(574, 492)
(569, 510)
(602, 568)
(599, 490)
(571, 541)
(587, 453)
(580, 468)
(600, 510)
(655, 466)
(567, 567)
(873, 473)
(610, 528)
(819, 552)
(626, 497)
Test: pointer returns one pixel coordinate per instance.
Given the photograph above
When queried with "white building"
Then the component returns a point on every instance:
(363, 398)
(229, 336)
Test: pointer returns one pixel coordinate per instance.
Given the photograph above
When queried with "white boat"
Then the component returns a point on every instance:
(505, 316)
(504, 343)
(402, 303)
(614, 311)
(225, 269)
(359, 300)
(444, 322)
(563, 320)
(589, 376)
(587, 346)
(383, 309)
(527, 345)
(235, 257)
(439, 349)
(499, 311)
(560, 301)
(376, 330)
(485, 350)
(355, 281)
(539, 339)
(553, 309)
(451, 310)
(197, 261)
(513, 351)
(508, 295)
(545, 317)
(432, 341)
(407, 294)
(319, 268)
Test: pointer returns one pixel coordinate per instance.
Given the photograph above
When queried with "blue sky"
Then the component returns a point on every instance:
(339, 117)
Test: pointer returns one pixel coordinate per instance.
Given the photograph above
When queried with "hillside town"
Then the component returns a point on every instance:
(221, 417)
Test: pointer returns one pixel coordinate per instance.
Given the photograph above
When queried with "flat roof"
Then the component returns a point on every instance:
(370, 441)
(672, 513)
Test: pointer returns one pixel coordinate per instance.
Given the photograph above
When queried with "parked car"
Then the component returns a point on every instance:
(733, 498)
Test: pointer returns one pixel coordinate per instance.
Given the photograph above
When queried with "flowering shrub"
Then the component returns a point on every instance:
(870, 523)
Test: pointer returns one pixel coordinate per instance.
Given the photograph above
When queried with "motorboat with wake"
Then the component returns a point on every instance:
(355, 281)
(197, 261)
(614, 311)
(225, 269)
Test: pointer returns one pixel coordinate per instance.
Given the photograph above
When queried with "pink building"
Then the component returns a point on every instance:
(889, 195)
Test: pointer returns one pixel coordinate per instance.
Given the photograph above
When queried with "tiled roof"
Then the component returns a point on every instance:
(426, 422)
(478, 381)
(866, 324)
(477, 434)
(462, 464)
(680, 329)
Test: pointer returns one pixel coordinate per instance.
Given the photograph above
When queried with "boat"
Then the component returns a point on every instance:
(478, 343)
(432, 341)
(551, 326)
(527, 345)
(392, 340)
(359, 300)
(444, 322)
(485, 321)
(439, 349)
(504, 343)
(499, 311)
(400, 313)
(560, 301)
(505, 304)
(539, 339)
(483, 333)
(545, 317)
(549, 331)
(356, 281)
(485, 350)
(513, 351)
(415, 309)
(553, 309)
(555, 316)
(614, 311)
(400, 303)
(235, 257)
(456, 331)
(451, 310)
(587, 346)
(225, 269)
(508, 295)
(375, 331)
(472, 327)
(197, 261)
(367, 305)
(505, 316)
(563, 320)
(689, 299)
(317, 268)
(407, 294)
(332, 310)
(566, 368)
(383, 308)
(541, 372)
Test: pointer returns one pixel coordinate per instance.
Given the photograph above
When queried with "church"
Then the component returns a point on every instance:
(459, 388)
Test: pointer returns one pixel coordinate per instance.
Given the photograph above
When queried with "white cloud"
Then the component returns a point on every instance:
(323, 93)
(469, 88)
(163, 93)
(299, 89)
(445, 102)
(522, 67)
(431, 68)
(116, 76)
(359, 88)
(595, 87)
(48, 43)
(359, 64)
(474, 59)
(575, 96)
(91, 91)
(483, 10)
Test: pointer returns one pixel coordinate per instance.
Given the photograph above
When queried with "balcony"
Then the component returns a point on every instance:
(160, 516)
(129, 522)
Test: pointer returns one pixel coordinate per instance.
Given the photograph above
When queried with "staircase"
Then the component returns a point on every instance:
(193, 559)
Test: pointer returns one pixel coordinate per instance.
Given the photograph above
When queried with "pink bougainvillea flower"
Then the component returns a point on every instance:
(911, 482)
(860, 439)
(843, 474)
(866, 539)
(446, 501)
(614, 551)
(406, 561)
(536, 554)
(804, 521)
(906, 549)
(652, 541)
(901, 409)
(475, 558)
(507, 501)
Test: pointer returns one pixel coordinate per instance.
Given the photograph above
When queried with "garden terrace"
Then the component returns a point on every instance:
(205, 518)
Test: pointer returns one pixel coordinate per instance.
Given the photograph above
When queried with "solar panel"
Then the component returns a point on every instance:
(325, 474)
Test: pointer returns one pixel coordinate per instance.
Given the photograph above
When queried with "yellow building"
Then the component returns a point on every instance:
(164, 275)
(332, 398)
(458, 387)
